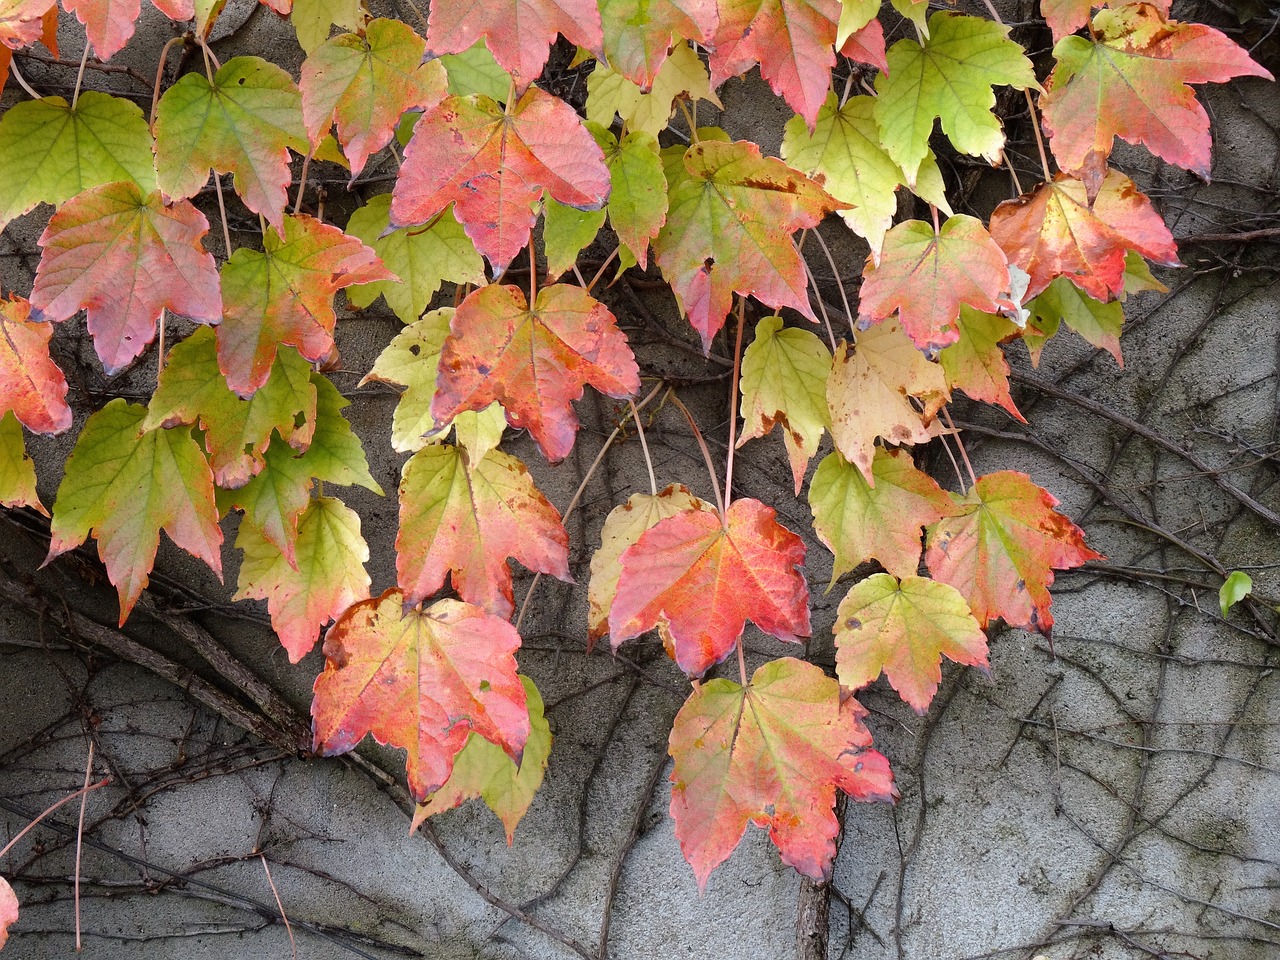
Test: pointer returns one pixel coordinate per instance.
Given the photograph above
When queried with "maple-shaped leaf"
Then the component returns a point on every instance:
(125, 257)
(192, 390)
(844, 151)
(284, 294)
(464, 519)
(108, 24)
(870, 393)
(330, 576)
(243, 123)
(1130, 80)
(1057, 230)
(904, 627)
(534, 361)
(949, 77)
(728, 231)
(566, 232)
(365, 83)
(17, 470)
(123, 485)
(703, 578)
(31, 384)
(771, 753)
(867, 45)
(1001, 548)
(792, 40)
(638, 198)
(276, 496)
(422, 257)
(784, 383)
(491, 165)
(1067, 16)
(411, 360)
(622, 528)
(681, 74)
(484, 770)
(639, 33)
(854, 15)
(518, 32)
(926, 274)
(50, 151)
(8, 909)
(421, 680)
(1099, 323)
(858, 521)
(313, 20)
(976, 364)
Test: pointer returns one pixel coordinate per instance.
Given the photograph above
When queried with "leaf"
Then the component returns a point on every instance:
(123, 485)
(949, 78)
(729, 230)
(22, 23)
(125, 257)
(50, 151)
(565, 232)
(411, 360)
(1067, 16)
(518, 32)
(422, 257)
(867, 46)
(771, 753)
(622, 528)
(285, 295)
(365, 83)
(483, 770)
(534, 361)
(475, 71)
(1132, 82)
(638, 197)
(1235, 588)
(639, 33)
(492, 165)
(420, 680)
(464, 520)
(904, 627)
(844, 152)
(31, 384)
(109, 24)
(784, 383)
(1056, 230)
(681, 74)
(926, 275)
(976, 364)
(870, 390)
(17, 470)
(8, 910)
(242, 124)
(704, 579)
(858, 521)
(192, 390)
(329, 578)
(792, 41)
(275, 497)
(313, 20)
(1001, 548)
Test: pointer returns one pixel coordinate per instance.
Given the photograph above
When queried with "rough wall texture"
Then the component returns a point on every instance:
(1115, 796)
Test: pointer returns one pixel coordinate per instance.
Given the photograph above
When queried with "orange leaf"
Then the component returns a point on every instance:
(8, 910)
(421, 680)
(22, 22)
(31, 384)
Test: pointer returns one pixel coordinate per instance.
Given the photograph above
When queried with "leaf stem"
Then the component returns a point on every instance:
(155, 90)
(50, 809)
(22, 81)
(279, 905)
(706, 454)
(733, 401)
(75, 97)
(600, 273)
(533, 276)
(84, 797)
(302, 185)
(688, 118)
(1035, 128)
(160, 346)
(835, 271)
(742, 662)
(644, 446)
(964, 454)
(822, 304)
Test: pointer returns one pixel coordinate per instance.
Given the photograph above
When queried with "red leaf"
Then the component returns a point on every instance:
(704, 580)
(492, 165)
(31, 384)
(519, 33)
(926, 275)
(534, 361)
(867, 46)
(8, 910)
(421, 680)
(792, 40)
(124, 257)
(1001, 548)
(773, 754)
(1056, 231)
(22, 22)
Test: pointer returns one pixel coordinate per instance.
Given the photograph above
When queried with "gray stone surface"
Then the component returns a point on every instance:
(1115, 797)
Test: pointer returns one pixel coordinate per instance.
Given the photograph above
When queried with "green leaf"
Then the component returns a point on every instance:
(784, 383)
(243, 124)
(50, 152)
(1235, 588)
(123, 485)
(566, 232)
(475, 71)
(422, 257)
(948, 78)
(313, 19)
(17, 470)
(484, 770)
(609, 93)
(638, 198)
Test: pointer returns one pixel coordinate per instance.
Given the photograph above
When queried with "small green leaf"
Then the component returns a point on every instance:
(566, 232)
(1234, 589)
(17, 470)
(475, 71)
